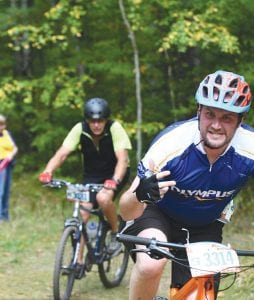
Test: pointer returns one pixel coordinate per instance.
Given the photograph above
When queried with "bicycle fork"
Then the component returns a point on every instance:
(77, 248)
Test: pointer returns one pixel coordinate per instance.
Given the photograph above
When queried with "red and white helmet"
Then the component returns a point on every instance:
(225, 90)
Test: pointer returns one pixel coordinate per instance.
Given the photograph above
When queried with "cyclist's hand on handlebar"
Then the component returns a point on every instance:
(45, 177)
(110, 184)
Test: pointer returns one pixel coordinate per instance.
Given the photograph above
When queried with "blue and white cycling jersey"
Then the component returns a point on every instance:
(202, 189)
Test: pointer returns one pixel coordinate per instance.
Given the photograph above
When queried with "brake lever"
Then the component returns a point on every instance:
(143, 250)
(54, 184)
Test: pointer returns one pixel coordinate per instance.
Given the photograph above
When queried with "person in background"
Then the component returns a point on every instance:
(104, 145)
(8, 150)
(188, 177)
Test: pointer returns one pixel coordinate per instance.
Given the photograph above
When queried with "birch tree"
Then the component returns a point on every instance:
(132, 38)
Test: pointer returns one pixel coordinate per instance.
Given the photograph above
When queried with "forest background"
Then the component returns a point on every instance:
(146, 57)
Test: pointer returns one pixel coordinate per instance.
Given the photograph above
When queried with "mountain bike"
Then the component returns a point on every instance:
(205, 260)
(111, 266)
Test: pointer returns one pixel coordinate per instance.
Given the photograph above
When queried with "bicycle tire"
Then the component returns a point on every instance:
(64, 273)
(113, 267)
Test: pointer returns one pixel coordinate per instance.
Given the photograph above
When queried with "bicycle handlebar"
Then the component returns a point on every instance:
(148, 242)
(245, 252)
(156, 250)
(76, 191)
(59, 183)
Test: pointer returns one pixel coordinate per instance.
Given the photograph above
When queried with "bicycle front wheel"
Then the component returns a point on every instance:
(64, 271)
(113, 267)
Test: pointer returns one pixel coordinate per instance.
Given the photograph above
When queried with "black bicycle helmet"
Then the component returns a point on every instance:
(96, 108)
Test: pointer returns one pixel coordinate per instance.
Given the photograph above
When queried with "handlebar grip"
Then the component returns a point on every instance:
(147, 241)
(133, 239)
(245, 252)
(56, 183)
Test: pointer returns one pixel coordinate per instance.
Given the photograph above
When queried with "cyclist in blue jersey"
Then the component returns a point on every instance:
(188, 177)
(104, 146)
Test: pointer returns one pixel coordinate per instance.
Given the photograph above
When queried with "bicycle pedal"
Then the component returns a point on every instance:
(88, 264)
(79, 271)
(65, 272)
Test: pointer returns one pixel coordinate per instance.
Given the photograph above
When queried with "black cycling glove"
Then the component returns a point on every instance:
(148, 189)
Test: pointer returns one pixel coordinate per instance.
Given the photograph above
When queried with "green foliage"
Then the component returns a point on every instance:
(245, 200)
(149, 129)
(59, 87)
(199, 30)
(53, 57)
(61, 22)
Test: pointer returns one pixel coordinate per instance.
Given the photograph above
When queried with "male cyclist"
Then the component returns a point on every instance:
(104, 145)
(191, 172)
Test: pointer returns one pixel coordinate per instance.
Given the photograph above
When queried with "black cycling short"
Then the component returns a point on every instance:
(154, 217)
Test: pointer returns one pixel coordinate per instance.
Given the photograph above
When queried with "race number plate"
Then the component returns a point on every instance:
(78, 195)
(210, 258)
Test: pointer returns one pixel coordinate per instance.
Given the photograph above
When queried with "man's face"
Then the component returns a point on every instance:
(97, 126)
(217, 127)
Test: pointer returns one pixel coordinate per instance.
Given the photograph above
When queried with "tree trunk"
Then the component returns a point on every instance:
(131, 35)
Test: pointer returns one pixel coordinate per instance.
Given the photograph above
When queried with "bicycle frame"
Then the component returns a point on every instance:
(198, 288)
(94, 253)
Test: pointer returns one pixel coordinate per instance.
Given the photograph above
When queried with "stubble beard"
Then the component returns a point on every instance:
(209, 143)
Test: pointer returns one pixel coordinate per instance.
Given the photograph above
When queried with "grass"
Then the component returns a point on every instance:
(28, 244)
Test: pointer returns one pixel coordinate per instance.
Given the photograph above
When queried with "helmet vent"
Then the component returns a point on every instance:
(228, 96)
(216, 93)
(205, 92)
(218, 79)
(239, 101)
(206, 80)
(246, 89)
(234, 83)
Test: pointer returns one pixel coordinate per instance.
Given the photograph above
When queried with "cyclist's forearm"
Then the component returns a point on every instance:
(52, 165)
(57, 160)
(119, 172)
(121, 165)
(130, 207)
